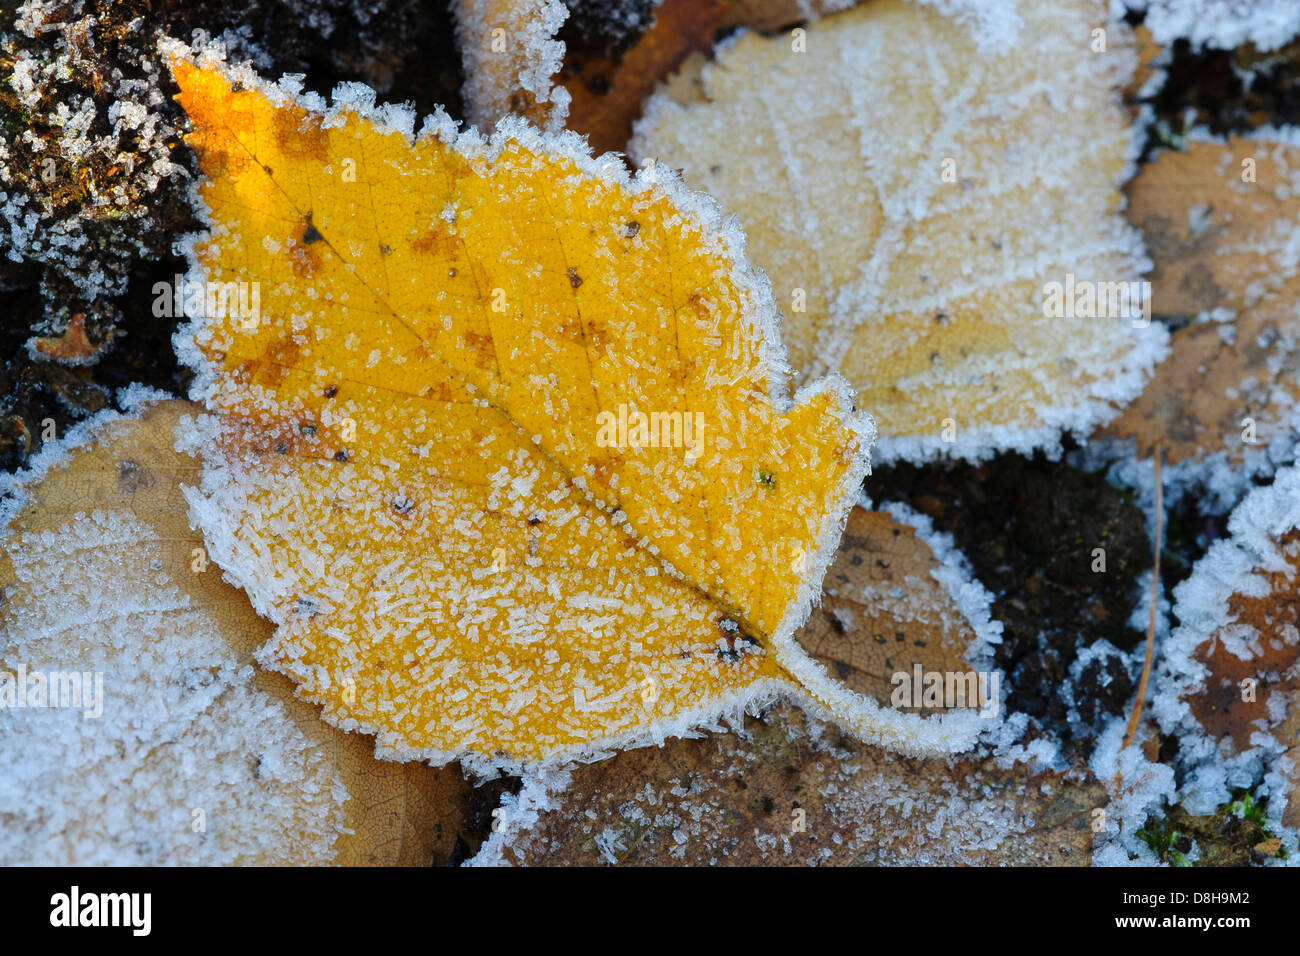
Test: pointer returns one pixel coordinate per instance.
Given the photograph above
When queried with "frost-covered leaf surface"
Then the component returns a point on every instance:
(786, 790)
(1220, 221)
(899, 597)
(977, 175)
(1229, 682)
(196, 757)
(406, 469)
(1267, 24)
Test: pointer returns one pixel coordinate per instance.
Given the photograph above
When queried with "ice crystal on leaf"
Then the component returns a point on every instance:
(1267, 24)
(1229, 680)
(965, 182)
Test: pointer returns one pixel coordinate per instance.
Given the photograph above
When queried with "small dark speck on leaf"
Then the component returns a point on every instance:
(331, 391)
(631, 228)
(311, 234)
(341, 455)
(575, 280)
(307, 428)
(131, 477)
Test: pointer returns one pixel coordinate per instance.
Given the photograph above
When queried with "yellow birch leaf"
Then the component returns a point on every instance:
(917, 189)
(194, 757)
(505, 447)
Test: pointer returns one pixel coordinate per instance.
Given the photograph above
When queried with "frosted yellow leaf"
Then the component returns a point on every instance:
(913, 187)
(192, 757)
(427, 465)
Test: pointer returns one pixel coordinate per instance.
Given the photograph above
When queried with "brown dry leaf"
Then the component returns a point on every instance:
(72, 347)
(883, 612)
(1220, 243)
(795, 793)
(1229, 714)
(1289, 730)
(970, 178)
(1230, 674)
(607, 92)
(146, 581)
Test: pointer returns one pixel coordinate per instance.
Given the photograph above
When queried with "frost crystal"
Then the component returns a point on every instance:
(1268, 24)
(1235, 651)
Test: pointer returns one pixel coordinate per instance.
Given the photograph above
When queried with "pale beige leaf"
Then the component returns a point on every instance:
(101, 572)
(912, 194)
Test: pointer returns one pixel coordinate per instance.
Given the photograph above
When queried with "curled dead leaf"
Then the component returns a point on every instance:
(72, 346)
(510, 55)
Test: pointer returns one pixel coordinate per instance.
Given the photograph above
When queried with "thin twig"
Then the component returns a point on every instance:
(1136, 715)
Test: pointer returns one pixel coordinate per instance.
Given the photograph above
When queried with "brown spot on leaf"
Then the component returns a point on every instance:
(132, 476)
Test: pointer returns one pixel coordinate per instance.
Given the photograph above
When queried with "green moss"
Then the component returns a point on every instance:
(1227, 837)
(1247, 809)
